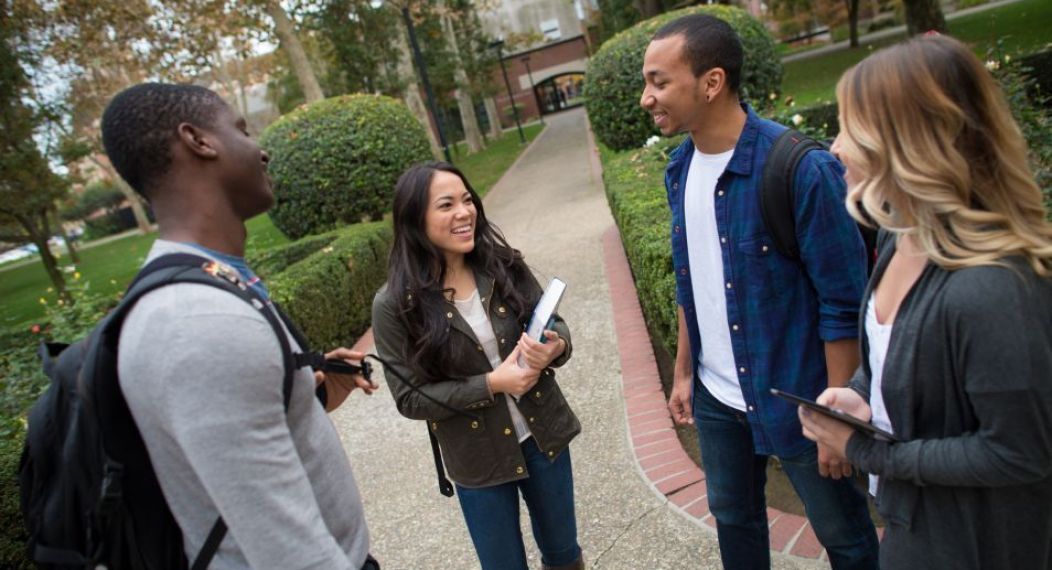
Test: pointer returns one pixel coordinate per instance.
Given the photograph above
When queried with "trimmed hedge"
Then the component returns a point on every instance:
(336, 162)
(635, 189)
(614, 81)
(329, 294)
(276, 259)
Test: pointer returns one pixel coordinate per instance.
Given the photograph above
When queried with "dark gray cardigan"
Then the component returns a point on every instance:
(968, 387)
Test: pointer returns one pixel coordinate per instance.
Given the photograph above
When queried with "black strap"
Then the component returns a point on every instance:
(208, 551)
(776, 190)
(444, 486)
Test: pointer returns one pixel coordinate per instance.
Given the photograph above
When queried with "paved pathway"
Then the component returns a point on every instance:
(551, 206)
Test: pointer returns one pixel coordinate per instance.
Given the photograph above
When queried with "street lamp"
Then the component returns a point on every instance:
(422, 69)
(533, 88)
(499, 44)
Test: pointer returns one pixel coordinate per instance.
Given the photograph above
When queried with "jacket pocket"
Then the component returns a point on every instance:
(467, 450)
(760, 264)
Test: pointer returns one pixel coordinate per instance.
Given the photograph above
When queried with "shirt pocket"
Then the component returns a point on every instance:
(760, 264)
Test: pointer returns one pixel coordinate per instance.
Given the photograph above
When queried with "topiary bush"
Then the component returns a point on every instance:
(336, 161)
(276, 259)
(614, 81)
(330, 293)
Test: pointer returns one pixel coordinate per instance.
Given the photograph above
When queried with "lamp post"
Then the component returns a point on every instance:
(418, 58)
(499, 44)
(533, 88)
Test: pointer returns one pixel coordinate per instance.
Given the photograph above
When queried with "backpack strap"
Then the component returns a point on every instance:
(776, 189)
(188, 268)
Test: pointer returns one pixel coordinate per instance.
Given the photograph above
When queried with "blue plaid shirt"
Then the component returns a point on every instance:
(780, 311)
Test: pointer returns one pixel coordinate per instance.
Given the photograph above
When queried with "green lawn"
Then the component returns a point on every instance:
(109, 267)
(485, 168)
(1023, 26)
(105, 269)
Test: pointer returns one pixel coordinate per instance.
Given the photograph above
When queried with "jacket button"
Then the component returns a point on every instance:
(474, 425)
(677, 229)
(683, 271)
(742, 370)
(502, 341)
(551, 454)
(531, 420)
(479, 347)
(675, 185)
(720, 193)
(449, 315)
(519, 470)
(537, 394)
(500, 310)
(434, 426)
(507, 431)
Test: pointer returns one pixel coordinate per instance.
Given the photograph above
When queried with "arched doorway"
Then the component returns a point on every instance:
(559, 92)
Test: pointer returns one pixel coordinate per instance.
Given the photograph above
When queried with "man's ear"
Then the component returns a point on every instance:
(715, 83)
(197, 141)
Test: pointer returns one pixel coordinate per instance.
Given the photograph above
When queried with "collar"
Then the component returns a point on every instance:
(742, 160)
(484, 285)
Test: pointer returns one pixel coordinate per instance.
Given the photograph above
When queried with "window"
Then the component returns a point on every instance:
(550, 29)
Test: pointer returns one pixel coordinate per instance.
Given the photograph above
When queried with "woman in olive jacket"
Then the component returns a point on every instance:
(448, 325)
(957, 320)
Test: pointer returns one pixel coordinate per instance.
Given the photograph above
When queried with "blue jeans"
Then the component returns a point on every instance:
(736, 476)
(492, 514)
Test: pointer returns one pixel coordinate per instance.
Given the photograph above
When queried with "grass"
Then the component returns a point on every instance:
(106, 269)
(485, 168)
(1023, 27)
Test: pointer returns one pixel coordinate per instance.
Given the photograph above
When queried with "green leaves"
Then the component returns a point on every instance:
(336, 162)
(614, 81)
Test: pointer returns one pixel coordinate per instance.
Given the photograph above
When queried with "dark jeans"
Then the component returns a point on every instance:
(492, 514)
(735, 478)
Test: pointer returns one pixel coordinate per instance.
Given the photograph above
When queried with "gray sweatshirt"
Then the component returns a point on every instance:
(202, 373)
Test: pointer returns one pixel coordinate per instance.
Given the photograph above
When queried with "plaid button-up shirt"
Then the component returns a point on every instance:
(780, 311)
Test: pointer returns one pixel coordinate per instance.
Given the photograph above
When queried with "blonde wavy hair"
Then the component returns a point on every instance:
(928, 135)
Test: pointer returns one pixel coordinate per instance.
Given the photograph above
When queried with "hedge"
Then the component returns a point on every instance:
(614, 81)
(276, 259)
(635, 190)
(336, 162)
(330, 293)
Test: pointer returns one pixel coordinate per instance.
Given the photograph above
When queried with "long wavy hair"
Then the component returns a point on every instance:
(930, 138)
(417, 270)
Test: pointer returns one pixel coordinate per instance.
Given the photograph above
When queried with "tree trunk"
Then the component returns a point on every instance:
(37, 230)
(495, 130)
(852, 21)
(294, 49)
(70, 248)
(472, 134)
(924, 16)
(411, 93)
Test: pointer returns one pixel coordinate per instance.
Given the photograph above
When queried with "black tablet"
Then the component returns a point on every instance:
(865, 427)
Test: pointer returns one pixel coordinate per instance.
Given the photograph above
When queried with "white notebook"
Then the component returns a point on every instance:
(544, 311)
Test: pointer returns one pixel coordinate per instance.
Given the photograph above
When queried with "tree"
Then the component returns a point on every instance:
(463, 87)
(286, 32)
(924, 16)
(28, 187)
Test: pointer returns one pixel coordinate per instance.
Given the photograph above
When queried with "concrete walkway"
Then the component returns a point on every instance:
(551, 206)
(888, 32)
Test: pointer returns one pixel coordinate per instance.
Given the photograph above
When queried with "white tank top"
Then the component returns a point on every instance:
(879, 337)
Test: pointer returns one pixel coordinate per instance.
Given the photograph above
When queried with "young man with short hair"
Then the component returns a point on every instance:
(202, 370)
(749, 318)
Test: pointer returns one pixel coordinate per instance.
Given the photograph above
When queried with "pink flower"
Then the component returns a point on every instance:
(35, 329)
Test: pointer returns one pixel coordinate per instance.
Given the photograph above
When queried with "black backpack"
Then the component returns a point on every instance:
(89, 495)
(776, 195)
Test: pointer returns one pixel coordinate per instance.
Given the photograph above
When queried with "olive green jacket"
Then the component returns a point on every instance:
(478, 443)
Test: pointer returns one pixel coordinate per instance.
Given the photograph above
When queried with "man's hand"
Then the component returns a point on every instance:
(541, 354)
(830, 434)
(679, 404)
(339, 386)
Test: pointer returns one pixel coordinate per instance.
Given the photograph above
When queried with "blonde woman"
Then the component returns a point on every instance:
(957, 320)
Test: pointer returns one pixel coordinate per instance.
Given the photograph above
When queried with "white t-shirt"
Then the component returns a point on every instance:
(716, 365)
(879, 336)
(475, 315)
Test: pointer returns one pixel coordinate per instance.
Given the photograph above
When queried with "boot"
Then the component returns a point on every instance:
(575, 565)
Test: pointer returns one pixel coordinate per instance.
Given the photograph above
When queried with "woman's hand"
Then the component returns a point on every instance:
(540, 354)
(510, 378)
(831, 434)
